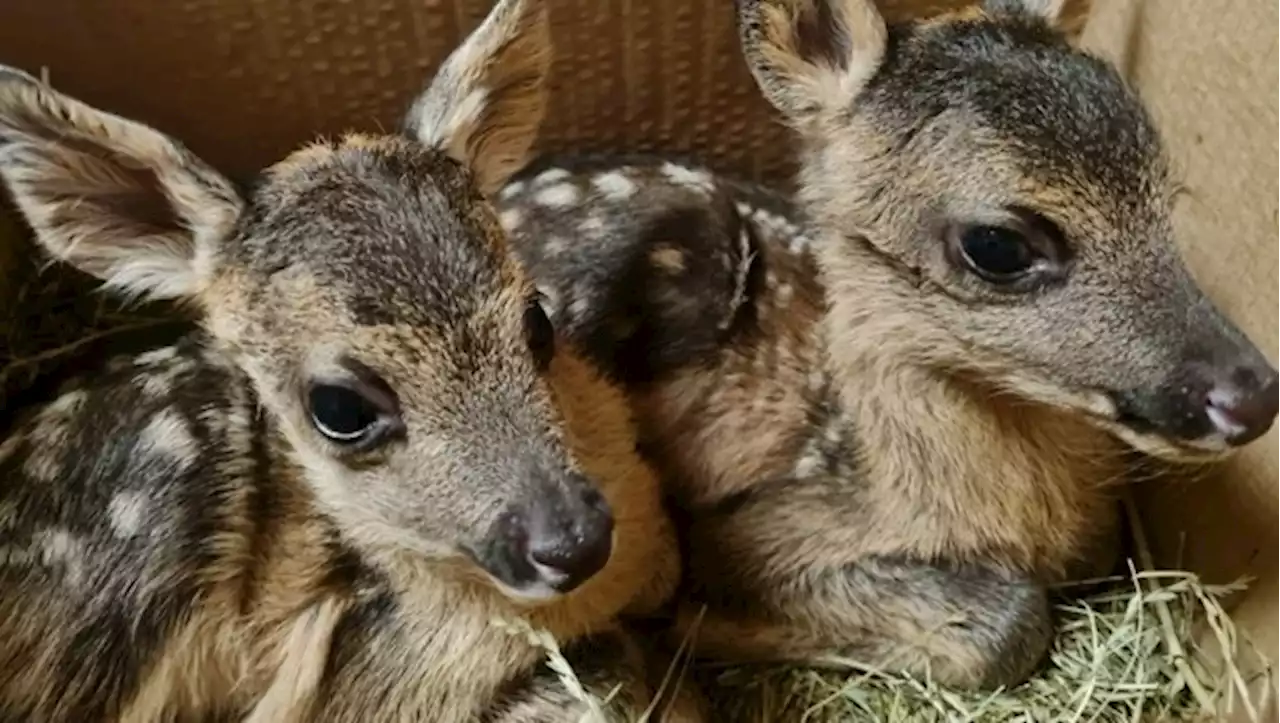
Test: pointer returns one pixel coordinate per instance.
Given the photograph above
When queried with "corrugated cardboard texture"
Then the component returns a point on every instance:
(243, 81)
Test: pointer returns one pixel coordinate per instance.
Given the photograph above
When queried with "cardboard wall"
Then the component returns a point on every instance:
(1208, 68)
(243, 81)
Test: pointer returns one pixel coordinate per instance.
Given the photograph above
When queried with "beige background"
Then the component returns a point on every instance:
(1209, 69)
(242, 81)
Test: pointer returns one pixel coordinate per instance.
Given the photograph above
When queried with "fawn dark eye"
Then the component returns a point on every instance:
(342, 414)
(996, 253)
(539, 333)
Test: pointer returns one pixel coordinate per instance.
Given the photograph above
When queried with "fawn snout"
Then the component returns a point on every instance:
(1216, 401)
(1188, 384)
(1239, 400)
(552, 543)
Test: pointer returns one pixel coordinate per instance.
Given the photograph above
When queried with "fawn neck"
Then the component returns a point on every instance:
(955, 469)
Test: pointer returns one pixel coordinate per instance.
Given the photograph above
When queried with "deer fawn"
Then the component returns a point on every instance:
(315, 508)
(892, 412)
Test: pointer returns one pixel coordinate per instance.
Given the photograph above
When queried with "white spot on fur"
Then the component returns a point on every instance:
(511, 218)
(773, 223)
(511, 190)
(126, 512)
(59, 548)
(592, 225)
(776, 226)
(740, 279)
(42, 463)
(50, 436)
(694, 179)
(668, 259)
(809, 463)
(554, 246)
(558, 196)
(550, 176)
(614, 185)
(169, 434)
(784, 294)
(834, 433)
(65, 406)
(817, 380)
(156, 356)
(155, 385)
(579, 307)
(158, 382)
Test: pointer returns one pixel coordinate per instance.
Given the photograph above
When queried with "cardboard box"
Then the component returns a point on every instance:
(244, 81)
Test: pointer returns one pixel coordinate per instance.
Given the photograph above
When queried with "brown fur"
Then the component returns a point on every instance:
(179, 540)
(882, 455)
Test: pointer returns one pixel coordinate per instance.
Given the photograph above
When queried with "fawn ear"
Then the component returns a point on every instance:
(113, 197)
(486, 103)
(811, 58)
(1065, 16)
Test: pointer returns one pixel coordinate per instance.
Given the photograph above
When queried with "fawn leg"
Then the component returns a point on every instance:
(779, 580)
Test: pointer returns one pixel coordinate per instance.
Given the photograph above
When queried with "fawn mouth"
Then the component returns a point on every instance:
(1147, 436)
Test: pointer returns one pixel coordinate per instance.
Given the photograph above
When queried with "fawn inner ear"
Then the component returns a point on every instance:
(857, 37)
(810, 57)
(140, 199)
(486, 102)
(820, 40)
(113, 197)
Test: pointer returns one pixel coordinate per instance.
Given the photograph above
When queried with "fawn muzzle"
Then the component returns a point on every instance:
(1241, 404)
(552, 543)
(1198, 381)
(1223, 406)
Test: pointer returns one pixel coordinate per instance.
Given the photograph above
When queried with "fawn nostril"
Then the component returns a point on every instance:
(1243, 407)
(568, 551)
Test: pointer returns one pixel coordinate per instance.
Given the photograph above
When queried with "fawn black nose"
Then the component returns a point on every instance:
(570, 537)
(1242, 404)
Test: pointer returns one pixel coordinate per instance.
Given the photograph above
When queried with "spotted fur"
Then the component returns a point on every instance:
(874, 453)
(179, 541)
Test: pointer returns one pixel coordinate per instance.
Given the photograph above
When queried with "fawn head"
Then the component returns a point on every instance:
(365, 288)
(996, 202)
